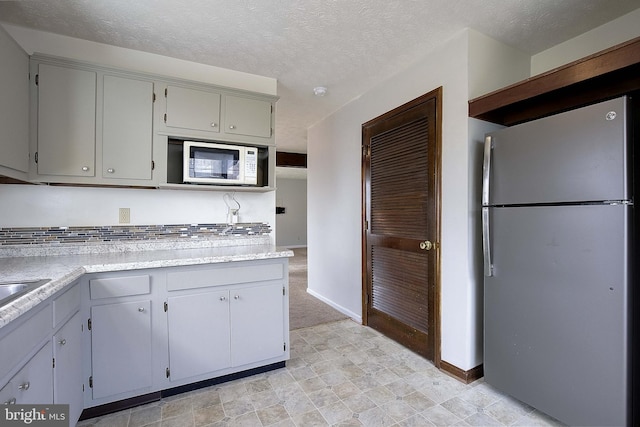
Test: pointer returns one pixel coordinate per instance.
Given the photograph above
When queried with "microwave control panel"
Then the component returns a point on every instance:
(251, 165)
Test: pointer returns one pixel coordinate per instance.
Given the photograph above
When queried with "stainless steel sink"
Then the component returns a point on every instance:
(11, 291)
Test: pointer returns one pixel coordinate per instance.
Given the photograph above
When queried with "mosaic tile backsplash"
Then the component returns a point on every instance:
(125, 234)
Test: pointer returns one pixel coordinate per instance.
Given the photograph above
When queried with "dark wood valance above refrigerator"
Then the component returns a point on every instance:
(603, 75)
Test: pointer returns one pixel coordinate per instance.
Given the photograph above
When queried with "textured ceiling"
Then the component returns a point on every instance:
(346, 45)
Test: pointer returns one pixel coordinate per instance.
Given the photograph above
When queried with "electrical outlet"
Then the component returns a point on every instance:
(124, 216)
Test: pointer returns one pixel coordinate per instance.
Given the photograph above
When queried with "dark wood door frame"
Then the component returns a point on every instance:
(435, 94)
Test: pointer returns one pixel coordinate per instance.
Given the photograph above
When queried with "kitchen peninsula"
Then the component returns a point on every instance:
(129, 322)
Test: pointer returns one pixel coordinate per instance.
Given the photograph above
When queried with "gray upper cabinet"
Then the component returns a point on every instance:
(127, 128)
(95, 125)
(14, 108)
(66, 121)
(247, 116)
(203, 112)
(192, 109)
(91, 126)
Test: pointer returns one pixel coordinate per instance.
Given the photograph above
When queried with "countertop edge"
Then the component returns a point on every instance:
(16, 308)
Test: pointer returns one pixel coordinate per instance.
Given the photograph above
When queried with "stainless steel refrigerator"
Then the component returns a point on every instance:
(557, 238)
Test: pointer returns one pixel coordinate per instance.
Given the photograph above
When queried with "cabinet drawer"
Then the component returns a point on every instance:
(119, 286)
(18, 343)
(65, 305)
(223, 276)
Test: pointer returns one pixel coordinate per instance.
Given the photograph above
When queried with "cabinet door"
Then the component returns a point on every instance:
(246, 116)
(66, 121)
(198, 334)
(14, 105)
(121, 347)
(34, 383)
(67, 371)
(127, 128)
(257, 319)
(193, 109)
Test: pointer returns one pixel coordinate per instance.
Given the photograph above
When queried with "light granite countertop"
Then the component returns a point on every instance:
(70, 263)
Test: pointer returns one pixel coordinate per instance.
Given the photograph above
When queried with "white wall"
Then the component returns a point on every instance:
(292, 225)
(610, 34)
(334, 180)
(493, 65)
(41, 205)
(51, 206)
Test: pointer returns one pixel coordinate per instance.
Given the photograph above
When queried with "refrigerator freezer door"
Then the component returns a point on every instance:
(556, 334)
(574, 156)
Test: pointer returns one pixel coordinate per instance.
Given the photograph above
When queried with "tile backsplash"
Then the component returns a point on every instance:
(125, 234)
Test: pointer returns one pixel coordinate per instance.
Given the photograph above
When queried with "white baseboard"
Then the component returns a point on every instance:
(355, 317)
(295, 246)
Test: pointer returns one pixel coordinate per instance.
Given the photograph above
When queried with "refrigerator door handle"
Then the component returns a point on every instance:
(486, 243)
(486, 170)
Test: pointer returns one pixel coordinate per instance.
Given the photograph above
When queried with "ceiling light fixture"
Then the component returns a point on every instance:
(320, 91)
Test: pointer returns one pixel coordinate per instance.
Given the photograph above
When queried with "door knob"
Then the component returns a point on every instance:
(426, 245)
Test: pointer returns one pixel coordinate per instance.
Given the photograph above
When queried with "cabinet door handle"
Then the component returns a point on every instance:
(236, 297)
(111, 170)
(214, 124)
(24, 386)
(223, 298)
(85, 168)
(232, 127)
(141, 309)
(62, 342)
(11, 401)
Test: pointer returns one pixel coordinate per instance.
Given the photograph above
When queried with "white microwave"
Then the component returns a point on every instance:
(212, 163)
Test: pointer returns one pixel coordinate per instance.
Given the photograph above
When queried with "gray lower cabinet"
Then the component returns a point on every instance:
(120, 348)
(257, 319)
(41, 355)
(120, 333)
(34, 382)
(155, 329)
(199, 334)
(213, 330)
(67, 372)
(225, 318)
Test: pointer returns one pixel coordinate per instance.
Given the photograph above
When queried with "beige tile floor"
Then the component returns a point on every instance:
(340, 374)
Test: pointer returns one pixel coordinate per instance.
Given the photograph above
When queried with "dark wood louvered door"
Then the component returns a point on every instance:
(401, 210)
